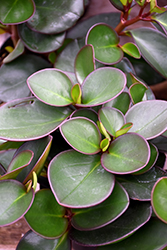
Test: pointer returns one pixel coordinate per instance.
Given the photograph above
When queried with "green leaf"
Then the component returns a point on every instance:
(45, 209)
(159, 199)
(104, 213)
(148, 118)
(84, 63)
(124, 129)
(18, 50)
(121, 102)
(127, 154)
(15, 201)
(139, 187)
(104, 144)
(41, 150)
(83, 181)
(10, 145)
(135, 217)
(76, 93)
(38, 42)
(117, 4)
(13, 12)
(112, 119)
(85, 112)
(13, 85)
(104, 40)
(151, 236)
(51, 86)
(95, 93)
(82, 134)
(137, 91)
(19, 162)
(32, 241)
(28, 118)
(6, 157)
(131, 49)
(153, 47)
(48, 16)
(161, 19)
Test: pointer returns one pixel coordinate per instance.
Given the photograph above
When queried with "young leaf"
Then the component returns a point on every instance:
(83, 181)
(137, 91)
(124, 129)
(18, 50)
(131, 49)
(76, 93)
(104, 144)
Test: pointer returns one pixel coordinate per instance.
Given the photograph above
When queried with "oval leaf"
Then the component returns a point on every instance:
(28, 118)
(53, 17)
(95, 93)
(15, 201)
(83, 182)
(18, 50)
(131, 49)
(137, 91)
(104, 40)
(82, 134)
(127, 154)
(148, 118)
(104, 213)
(46, 209)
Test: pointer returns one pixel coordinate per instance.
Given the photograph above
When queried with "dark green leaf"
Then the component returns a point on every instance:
(18, 50)
(137, 91)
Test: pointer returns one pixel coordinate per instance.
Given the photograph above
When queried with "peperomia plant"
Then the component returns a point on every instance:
(79, 118)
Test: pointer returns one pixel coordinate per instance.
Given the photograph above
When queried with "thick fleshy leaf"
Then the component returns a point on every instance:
(15, 201)
(164, 134)
(51, 86)
(124, 129)
(139, 187)
(83, 181)
(85, 112)
(121, 102)
(95, 93)
(148, 118)
(17, 164)
(102, 214)
(84, 63)
(13, 85)
(104, 40)
(161, 19)
(82, 134)
(159, 199)
(153, 158)
(45, 216)
(112, 119)
(33, 241)
(151, 236)
(131, 49)
(38, 42)
(153, 47)
(135, 217)
(76, 93)
(137, 91)
(161, 143)
(28, 118)
(18, 50)
(53, 17)
(6, 157)
(126, 154)
(40, 149)
(117, 4)
(10, 145)
(82, 27)
(12, 12)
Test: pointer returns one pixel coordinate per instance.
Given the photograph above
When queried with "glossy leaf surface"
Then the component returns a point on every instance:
(131, 49)
(162, 20)
(46, 216)
(135, 216)
(117, 4)
(51, 86)
(13, 85)
(137, 91)
(148, 118)
(27, 119)
(151, 236)
(6, 157)
(85, 112)
(83, 181)
(95, 93)
(38, 42)
(127, 154)
(18, 50)
(159, 200)
(16, 12)
(48, 16)
(121, 102)
(104, 213)
(139, 187)
(82, 134)
(32, 241)
(153, 47)
(84, 63)
(112, 119)
(15, 201)
(104, 40)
